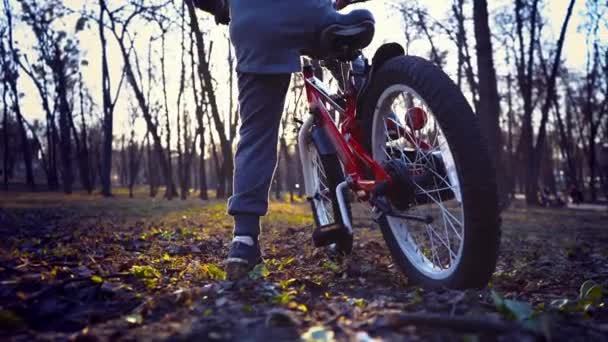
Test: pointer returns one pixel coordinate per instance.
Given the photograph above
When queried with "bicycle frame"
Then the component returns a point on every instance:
(345, 139)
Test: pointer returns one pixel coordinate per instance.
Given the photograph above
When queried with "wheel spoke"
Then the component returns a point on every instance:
(433, 248)
(443, 242)
(322, 201)
(440, 205)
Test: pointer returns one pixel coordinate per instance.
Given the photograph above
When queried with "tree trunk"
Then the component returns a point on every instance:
(143, 104)
(108, 110)
(525, 80)
(183, 157)
(288, 163)
(51, 141)
(135, 156)
(564, 145)
(205, 71)
(533, 172)
(592, 162)
(170, 191)
(489, 105)
(123, 162)
(65, 114)
(12, 83)
(5, 138)
(278, 181)
(202, 170)
(198, 100)
(83, 153)
(151, 170)
(51, 129)
(510, 117)
(219, 174)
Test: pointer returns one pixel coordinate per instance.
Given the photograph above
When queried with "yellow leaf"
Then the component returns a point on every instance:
(213, 272)
(97, 279)
(134, 319)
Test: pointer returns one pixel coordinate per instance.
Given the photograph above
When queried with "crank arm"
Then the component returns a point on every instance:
(382, 207)
(424, 219)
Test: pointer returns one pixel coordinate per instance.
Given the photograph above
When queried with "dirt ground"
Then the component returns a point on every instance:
(88, 269)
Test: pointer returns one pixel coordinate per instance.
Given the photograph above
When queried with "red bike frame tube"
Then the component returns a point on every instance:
(353, 156)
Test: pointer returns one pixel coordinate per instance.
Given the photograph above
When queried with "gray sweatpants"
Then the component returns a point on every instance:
(261, 102)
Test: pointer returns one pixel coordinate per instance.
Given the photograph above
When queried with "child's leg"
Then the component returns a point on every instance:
(261, 99)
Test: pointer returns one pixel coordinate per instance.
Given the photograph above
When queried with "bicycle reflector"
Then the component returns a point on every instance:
(416, 118)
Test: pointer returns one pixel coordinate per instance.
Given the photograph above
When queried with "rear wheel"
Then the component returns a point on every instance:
(450, 171)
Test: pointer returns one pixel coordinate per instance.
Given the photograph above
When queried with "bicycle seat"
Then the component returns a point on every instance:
(348, 34)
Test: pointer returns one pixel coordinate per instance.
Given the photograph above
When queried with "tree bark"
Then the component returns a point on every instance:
(202, 171)
(5, 138)
(108, 109)
(65, 117)
(525, 80)
(288, 163)
(489, 102)
(183, 171)
(198, 100)
(83, 152)
(152, 179)
(170, 191)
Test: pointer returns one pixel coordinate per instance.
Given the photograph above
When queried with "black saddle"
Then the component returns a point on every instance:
(349, 34)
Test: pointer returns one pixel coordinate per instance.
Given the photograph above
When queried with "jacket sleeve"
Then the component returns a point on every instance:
(219, 8)
(210, 6)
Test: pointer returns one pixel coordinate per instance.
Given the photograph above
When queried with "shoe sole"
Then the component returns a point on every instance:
(237, 268)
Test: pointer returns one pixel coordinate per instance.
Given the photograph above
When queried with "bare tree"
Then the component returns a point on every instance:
(550, 95)
(83, 147)
(227, 165)
(171, 191)
(488, 109)
(199, 103)
(134, 153)
(10, 62)
(109, 104)
(587, 96)
(120, 30)
(61, 54)
(525, 81)
(39, 76)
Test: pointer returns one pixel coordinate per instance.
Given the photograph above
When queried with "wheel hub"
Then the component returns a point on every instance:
(402, 192)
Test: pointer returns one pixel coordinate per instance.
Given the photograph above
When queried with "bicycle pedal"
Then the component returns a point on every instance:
(329, 234)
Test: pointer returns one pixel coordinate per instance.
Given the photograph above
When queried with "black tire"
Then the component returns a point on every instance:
(475, 172)
(334, 176)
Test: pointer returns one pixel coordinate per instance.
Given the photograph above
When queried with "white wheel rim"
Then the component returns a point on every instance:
(321, 200)
(433, 249)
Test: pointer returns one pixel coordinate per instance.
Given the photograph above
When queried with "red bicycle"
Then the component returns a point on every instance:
(405, 140)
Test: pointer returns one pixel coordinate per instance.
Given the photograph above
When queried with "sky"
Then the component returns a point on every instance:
(389, 28)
